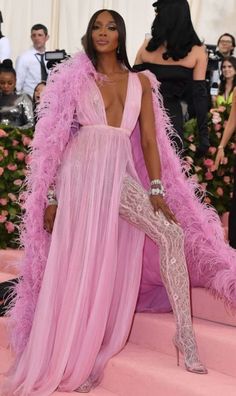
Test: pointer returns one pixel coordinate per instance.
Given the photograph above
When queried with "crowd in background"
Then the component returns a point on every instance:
(19, 86)
(31, 68)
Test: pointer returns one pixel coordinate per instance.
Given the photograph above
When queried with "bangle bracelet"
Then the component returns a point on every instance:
(52, 202)
(221, 147)
(51, 197)
(156, 182)
(157, 191)
(157, 188)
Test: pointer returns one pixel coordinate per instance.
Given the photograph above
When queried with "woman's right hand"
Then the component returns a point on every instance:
(219, 157)
(49, 217)
(159, 203)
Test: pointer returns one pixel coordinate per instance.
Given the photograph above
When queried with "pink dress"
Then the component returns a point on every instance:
(92, 276)
(85, 306)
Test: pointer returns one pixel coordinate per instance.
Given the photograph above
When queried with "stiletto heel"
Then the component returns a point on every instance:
(191, 360)
(177, 351)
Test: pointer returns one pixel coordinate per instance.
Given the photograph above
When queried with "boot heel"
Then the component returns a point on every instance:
(177, 352)
(194, 365)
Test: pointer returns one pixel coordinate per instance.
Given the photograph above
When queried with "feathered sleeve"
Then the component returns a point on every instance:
(57, 121)
(211, 261)
(51, 137)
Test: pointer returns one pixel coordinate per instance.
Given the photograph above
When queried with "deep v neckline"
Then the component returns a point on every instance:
(125, 102)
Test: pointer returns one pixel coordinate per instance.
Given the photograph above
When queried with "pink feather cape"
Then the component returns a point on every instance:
(211, 262)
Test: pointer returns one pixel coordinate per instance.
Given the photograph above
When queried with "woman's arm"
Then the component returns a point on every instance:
(231, 124)
(149, 145)
(214, 101)
(200, 99)
(148, 131)
(228, 132)
(200, 68)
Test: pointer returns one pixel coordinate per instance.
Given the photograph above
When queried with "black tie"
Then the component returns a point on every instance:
(44, 74)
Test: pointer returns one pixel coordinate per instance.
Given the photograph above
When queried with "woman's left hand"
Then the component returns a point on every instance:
(159, 203)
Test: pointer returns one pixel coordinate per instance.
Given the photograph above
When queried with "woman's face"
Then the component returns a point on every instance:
(228, 70)
(38, 92)
(105, 34)
(7, 82)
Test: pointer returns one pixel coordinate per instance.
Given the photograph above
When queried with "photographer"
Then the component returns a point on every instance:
(31, 66)
(225, 45)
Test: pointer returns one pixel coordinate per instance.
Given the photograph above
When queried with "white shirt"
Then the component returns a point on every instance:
(28, 71)
(5, 49)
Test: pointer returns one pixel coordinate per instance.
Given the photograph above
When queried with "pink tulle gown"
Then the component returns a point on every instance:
(92, 276)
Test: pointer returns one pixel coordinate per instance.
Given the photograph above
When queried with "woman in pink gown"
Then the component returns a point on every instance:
(77, 299)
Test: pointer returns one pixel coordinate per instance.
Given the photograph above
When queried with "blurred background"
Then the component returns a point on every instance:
(67, 20)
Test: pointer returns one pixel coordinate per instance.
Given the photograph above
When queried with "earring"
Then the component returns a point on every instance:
(118, 50)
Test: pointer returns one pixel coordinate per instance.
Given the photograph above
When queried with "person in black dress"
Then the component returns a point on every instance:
(177, 57)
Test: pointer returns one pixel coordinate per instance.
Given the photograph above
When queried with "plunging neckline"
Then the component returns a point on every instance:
(125, 102)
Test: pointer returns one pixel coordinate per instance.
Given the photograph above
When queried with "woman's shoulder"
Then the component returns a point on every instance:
(139, 56)
(199, 50)
(144, 80)
(198, 58)
(234, 97)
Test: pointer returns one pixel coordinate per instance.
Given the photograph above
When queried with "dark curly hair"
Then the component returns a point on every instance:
(232, 61)
(173, 26)
(7, 67)
(88, 42)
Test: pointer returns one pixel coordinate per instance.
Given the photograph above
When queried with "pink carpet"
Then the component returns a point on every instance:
(147, 365)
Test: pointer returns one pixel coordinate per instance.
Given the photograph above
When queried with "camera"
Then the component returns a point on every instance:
(214, 58)
(55, 57)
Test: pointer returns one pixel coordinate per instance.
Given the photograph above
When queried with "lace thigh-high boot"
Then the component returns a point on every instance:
(136, 208)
